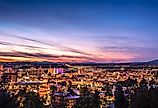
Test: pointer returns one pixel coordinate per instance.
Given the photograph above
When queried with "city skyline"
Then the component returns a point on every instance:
(78, 31)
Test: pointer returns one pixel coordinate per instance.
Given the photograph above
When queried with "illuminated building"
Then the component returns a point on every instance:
(12, 76)
(55, 70)
(1, 69)
(71, 100)
(44, 87)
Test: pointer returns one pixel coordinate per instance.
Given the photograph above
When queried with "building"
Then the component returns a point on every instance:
(1, 67)
(55, 70)
(1, 70)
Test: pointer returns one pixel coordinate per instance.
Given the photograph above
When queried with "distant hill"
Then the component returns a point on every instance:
(153, 62)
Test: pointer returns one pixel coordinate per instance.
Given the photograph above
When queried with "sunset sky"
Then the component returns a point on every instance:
(78, 30)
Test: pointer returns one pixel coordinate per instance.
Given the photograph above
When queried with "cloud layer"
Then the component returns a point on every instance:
(97, 31)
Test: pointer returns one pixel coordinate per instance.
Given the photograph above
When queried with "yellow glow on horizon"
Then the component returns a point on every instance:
(20, 59)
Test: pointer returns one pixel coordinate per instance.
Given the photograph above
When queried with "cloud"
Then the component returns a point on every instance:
(41, 56)
(3, 43)
(129, 49)
(22, 45)
(121, 48)
(52, 44)
(105, 37)
(12, 54)
(29, 47)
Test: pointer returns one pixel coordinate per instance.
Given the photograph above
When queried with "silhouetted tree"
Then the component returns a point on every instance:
(143, 84)
(154, 98)
(120, 100)
(53, 89)
(6, 101)
(141, 99)
(96, 99)
(33, 101)
(88, 99)
(4, 79)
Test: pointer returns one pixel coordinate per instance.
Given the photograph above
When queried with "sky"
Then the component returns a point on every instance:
(78, 30)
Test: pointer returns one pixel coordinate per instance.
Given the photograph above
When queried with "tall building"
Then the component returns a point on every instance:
(1, 67)
(1, 70)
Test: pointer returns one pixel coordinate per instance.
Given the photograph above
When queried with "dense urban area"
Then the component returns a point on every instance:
(78, 85)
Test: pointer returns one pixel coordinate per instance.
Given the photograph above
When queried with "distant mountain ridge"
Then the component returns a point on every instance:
(153, 62)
